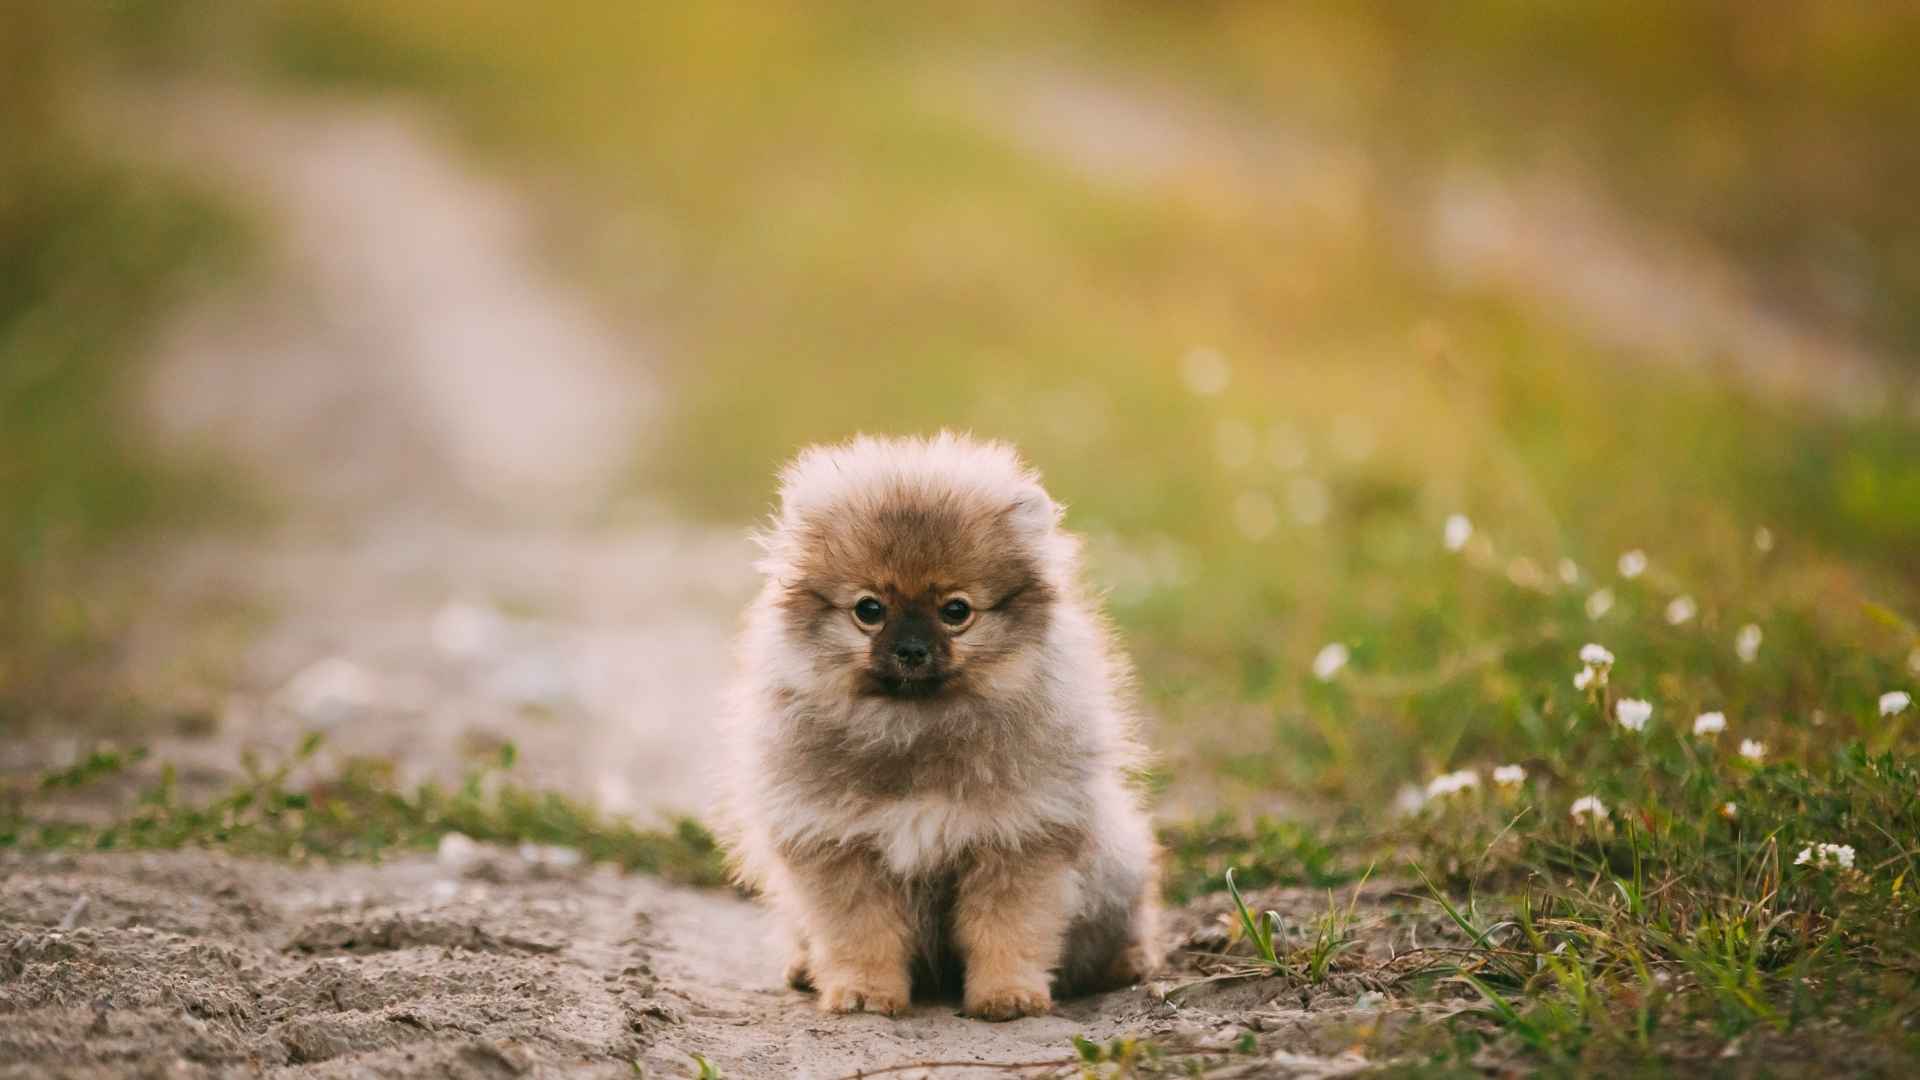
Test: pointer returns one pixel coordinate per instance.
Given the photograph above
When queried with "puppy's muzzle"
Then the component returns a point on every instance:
(912, 654)
(907, 660)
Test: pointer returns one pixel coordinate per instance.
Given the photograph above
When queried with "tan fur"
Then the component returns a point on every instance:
(964, 809)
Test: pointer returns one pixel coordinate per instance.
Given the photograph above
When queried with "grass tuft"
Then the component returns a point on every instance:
(358, 811)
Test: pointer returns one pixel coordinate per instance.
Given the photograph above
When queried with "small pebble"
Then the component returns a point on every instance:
(457, 851)
(330, 691)
(464, 630)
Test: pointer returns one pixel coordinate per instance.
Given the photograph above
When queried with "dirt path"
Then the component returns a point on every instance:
(494, 964)
(439, 417)
(440, 421)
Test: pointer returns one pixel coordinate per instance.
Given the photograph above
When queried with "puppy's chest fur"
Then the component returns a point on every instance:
(923, 834)
(930, 808)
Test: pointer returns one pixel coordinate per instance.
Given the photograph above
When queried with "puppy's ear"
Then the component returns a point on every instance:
(1034, 513)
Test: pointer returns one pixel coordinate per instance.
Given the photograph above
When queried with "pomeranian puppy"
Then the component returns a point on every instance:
(933, 760)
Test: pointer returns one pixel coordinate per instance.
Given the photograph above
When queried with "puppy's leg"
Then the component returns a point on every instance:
(777, 885)
(1010, 922)
(1114, 940)
(1143, 956)
(1146, 954)
(856, 926)
(799, 974)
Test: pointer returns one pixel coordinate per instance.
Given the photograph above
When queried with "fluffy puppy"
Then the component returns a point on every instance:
(932, 746)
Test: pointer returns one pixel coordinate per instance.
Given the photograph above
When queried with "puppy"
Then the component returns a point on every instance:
(932, 751)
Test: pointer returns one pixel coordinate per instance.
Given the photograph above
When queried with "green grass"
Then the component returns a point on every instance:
(1676, 926)
(350, 809)
(1320, 946)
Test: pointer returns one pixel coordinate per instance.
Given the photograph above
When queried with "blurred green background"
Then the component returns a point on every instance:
(1268, 291)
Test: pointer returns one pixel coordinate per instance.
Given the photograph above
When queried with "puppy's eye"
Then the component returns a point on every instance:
(956, 611)
(869, 611)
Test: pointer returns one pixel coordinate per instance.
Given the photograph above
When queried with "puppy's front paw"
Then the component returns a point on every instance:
(1009, 1001)
(1132, 964)
(852, 997)
(799, 975)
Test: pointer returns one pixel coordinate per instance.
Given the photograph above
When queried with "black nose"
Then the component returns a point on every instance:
(911, 654)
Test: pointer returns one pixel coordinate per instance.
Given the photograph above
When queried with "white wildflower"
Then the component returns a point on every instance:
(1826, 856)
(1599, 604)
(1753, 750)
(1569, 572)
(1681, 611)
(1452, 783)
(1510, 775)
(1633, 564)
(1895, 702)
(1328, 662)
(1598, 661)
(1729, 811)
(1710, 723)
(1746, 644)
(1763, 539)
(1459, 530)
(1205, 371)
(1409, 800)
(1633, 713)
(1588, 807)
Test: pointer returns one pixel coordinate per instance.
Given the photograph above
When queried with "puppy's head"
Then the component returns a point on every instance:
(915, 569)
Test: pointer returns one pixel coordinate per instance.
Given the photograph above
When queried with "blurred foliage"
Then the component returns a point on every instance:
(844, 220)
(1772, 130)
(90, 249)
(1199, 856)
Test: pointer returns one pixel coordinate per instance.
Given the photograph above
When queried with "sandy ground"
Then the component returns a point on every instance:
(439, 417)
(191, 964)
